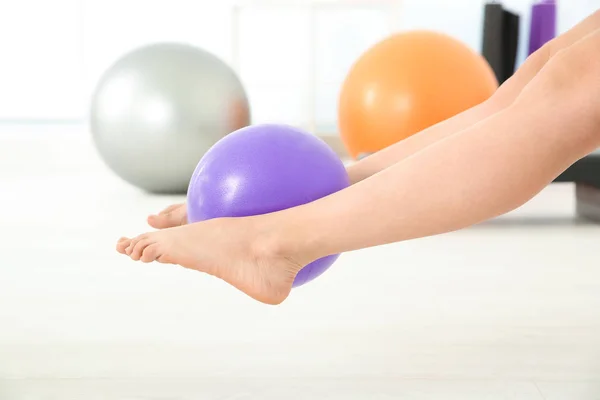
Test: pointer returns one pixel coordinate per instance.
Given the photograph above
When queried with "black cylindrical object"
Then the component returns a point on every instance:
(500, 39)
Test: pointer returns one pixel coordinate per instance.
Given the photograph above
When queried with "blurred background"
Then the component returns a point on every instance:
(292, 56)
(509, 309)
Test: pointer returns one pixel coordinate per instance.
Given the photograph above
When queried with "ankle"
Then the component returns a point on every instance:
(278, 237)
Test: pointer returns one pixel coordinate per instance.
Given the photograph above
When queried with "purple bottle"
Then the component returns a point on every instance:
(543, 24)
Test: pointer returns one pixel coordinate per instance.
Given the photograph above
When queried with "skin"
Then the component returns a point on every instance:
(553, 121)
(175, 214)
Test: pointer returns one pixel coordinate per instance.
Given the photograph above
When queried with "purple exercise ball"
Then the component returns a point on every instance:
(261, 169)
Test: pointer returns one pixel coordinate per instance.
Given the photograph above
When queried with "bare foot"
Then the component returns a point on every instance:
(174, 215)
(225, 248)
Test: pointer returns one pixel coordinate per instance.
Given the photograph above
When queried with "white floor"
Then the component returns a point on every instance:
(506, 310)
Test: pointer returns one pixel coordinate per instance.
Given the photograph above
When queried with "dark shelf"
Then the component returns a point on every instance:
(586, 171)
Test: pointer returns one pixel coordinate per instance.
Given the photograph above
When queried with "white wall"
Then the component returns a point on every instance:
(40, 62)
(55, 51)
(291, 59)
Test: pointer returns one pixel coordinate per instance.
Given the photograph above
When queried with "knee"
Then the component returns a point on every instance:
(579, 64)
(570, 79)
(575, 34)
(575, 74)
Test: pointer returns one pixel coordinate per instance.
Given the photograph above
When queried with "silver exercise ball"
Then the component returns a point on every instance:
(159, 108)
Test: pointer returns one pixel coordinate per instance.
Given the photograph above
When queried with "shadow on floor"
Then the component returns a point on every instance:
(536, 221)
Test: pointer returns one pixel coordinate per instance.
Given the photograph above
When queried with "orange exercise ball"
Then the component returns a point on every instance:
(407, 83)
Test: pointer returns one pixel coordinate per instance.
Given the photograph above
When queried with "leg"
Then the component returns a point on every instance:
(401, 150)
(477, 174)
(484, 171)
(503, 97)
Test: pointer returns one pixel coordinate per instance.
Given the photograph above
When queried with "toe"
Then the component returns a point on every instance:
(138, 249)
(150, 253)
(160, 221)
(122, 244)
(170, 208)
(167, 218)
(134, 242)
